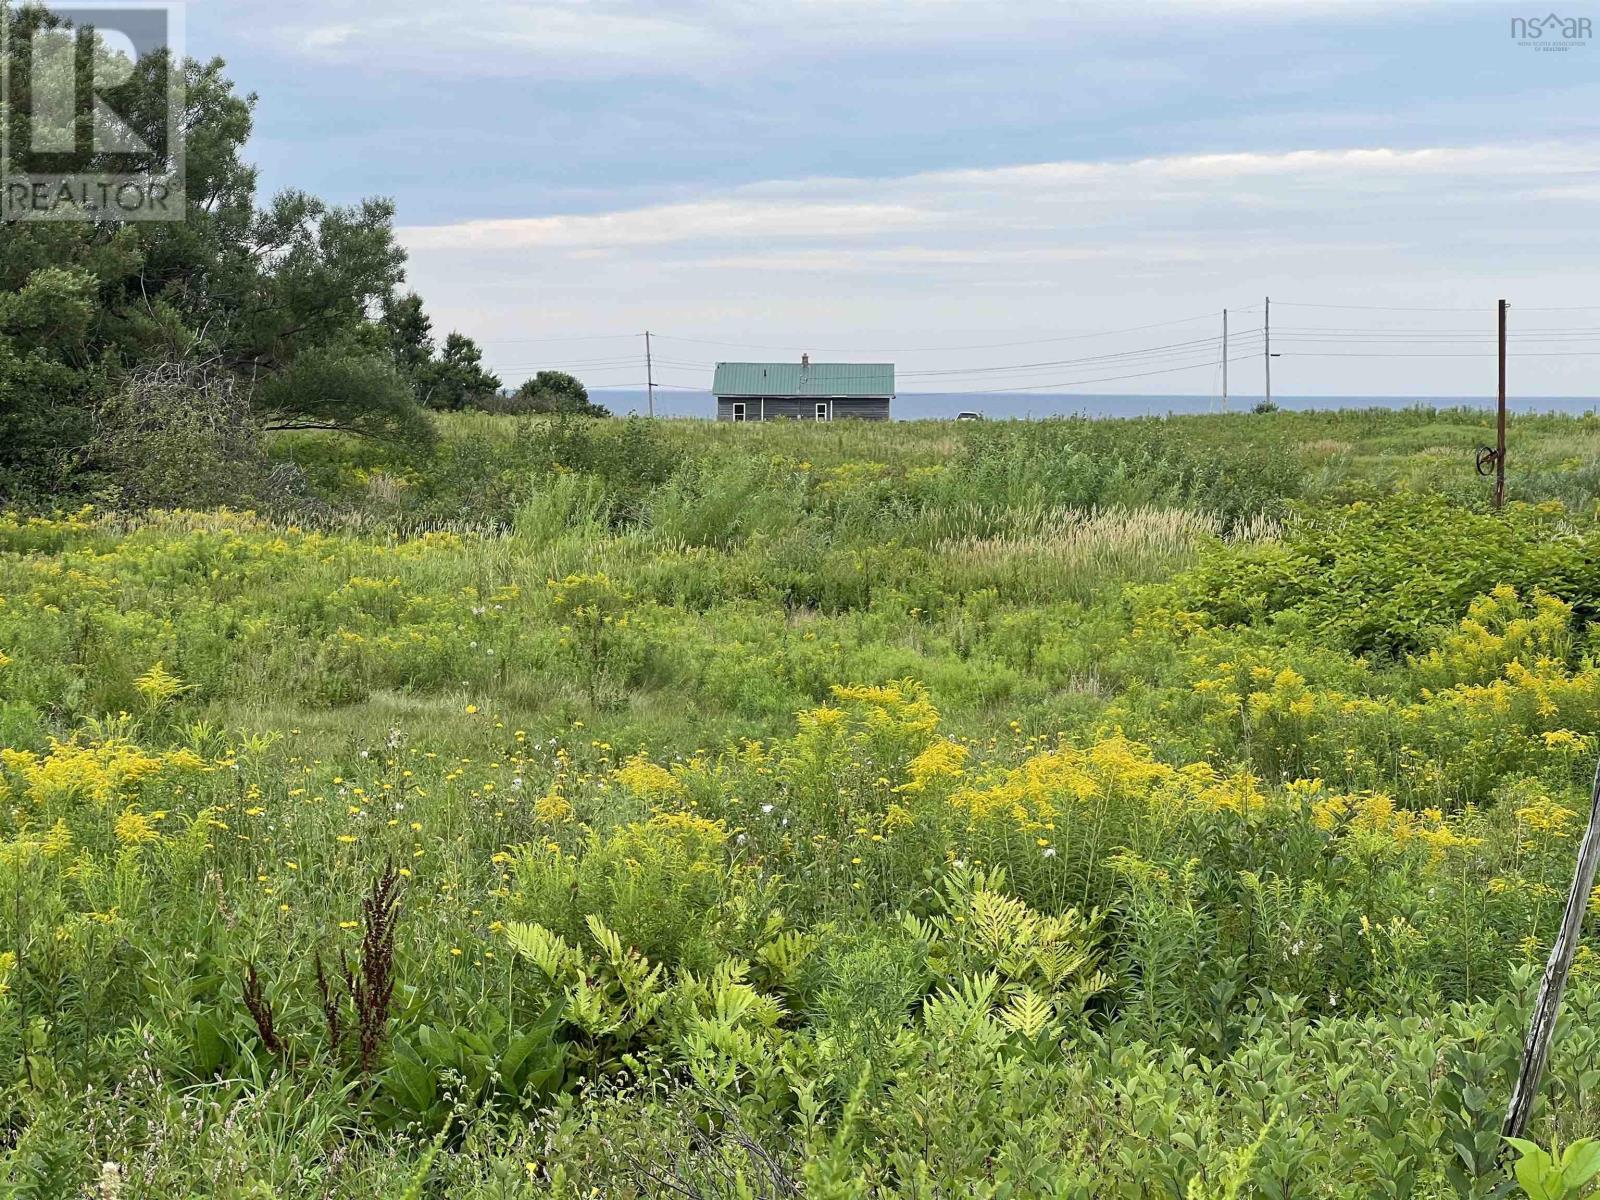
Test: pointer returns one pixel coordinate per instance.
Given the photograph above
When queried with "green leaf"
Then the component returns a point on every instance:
(210, 1047)
(1580, 1163)
(1535, 1171)
(410, 1081)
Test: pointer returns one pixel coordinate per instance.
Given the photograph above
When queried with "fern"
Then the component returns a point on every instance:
(609, 941)
(980, 929)
(787, 953)
(961, 1010)
(1029, 1014)
(544, 949)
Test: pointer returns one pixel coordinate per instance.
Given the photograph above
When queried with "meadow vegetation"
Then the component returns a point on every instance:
(1168, 810)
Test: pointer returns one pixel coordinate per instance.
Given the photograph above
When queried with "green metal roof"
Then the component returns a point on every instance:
(795, 379)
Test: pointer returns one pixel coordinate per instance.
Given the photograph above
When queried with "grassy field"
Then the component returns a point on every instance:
(1150, 809)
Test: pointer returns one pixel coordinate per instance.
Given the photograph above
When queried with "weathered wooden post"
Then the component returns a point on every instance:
(1536, 1051)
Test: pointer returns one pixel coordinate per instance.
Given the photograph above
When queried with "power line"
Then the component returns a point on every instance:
(1208, 363)
(1071, 337)
(1182, 349)
(1486, 354)
(640, 385)
(1188, 347)
(597, 337)
(1452, 340)
(1400, 335)
(1377, 307)
(1419, 341)
(595, 364)
(1033, 387)
(1428, 331)
(1203, 348)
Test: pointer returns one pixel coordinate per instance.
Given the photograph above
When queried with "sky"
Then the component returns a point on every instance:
(995, 195)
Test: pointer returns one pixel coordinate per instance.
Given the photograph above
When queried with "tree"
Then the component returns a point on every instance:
(452, 380)
(298, 299)
(558, 392)
(457, 378)
(410, 332)
(48, 377)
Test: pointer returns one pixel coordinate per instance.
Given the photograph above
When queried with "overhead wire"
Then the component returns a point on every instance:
(1211, 316)
(1293, 341)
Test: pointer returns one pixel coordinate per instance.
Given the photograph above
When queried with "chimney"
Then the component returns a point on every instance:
(805, 361)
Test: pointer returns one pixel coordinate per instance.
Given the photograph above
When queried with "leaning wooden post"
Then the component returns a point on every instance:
(1536, 1051)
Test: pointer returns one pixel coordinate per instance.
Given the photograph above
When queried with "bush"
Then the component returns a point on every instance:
(547, 392)
(663, 884)
(178, 435)
(1381, 577)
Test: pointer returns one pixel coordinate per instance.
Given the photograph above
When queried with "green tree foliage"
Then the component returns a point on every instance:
(410, 332)
(558, 392)
(46, 374)
(457, 378)
(283, 296)
(451, 379)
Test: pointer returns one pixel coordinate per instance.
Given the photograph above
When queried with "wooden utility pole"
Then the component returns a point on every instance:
(1224, 360)
(1500, 425)
(1266, 328)
(1536, 1050)
(649, 373)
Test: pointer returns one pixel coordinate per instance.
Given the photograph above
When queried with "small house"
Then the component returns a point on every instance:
(803, 391)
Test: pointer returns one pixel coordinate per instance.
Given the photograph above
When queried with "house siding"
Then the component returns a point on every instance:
(804, 408)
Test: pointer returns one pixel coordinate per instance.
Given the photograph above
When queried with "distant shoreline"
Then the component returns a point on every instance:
(910, 406)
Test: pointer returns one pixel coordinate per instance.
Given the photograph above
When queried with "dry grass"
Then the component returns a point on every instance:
(1077, 553)
(1327, 447)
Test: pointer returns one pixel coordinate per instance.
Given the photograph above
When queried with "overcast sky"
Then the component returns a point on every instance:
(919, 180)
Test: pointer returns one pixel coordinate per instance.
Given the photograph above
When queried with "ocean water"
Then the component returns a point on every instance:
(913, 406)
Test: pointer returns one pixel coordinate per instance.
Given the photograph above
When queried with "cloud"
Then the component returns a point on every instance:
(664, 224)
(1039, 203)
(604, 38)
(922, 260)
(1033, 249)
(572, 39)
(880, 173)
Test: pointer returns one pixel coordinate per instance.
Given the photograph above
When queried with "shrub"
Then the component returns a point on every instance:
(664, 885)
(548, 392)
(1380, 577)
(179, 436)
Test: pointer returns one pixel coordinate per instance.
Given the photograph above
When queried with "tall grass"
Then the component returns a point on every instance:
(1055, 554)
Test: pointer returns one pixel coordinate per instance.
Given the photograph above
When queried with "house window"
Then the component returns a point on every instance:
(738, 412)
(822, 412)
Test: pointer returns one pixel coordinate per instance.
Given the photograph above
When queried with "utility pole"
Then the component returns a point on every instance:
(1500, 423)
(649, 373)
(1266, 328)
(1224, 360)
